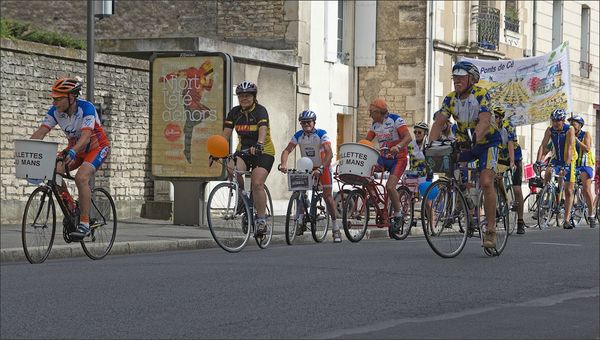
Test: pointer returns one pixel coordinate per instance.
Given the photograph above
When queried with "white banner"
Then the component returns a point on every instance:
(528, 88)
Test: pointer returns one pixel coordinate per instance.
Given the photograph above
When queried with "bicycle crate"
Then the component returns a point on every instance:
(299, 181)
(439, 158)
(356, 163)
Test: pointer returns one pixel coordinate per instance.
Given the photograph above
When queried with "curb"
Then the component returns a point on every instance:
(140, 247)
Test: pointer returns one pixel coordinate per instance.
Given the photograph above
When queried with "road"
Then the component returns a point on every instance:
(545, 285)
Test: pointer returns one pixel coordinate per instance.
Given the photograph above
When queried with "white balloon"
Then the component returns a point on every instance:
(304, 164)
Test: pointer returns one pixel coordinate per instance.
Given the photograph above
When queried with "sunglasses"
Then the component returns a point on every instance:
(418, 132)
(305, 122)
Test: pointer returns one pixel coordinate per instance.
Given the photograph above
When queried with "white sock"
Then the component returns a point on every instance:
(335, 225)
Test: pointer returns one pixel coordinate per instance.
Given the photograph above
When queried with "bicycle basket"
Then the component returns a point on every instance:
(440, 157)
(299, 181)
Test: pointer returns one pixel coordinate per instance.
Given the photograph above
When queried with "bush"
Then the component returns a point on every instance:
(23, 31)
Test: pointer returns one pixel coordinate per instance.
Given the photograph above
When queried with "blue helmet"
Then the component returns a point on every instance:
(307, 115)
(462, 68)
(578, 119)
(558, 114)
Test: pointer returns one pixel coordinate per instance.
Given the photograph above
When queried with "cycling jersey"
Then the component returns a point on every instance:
(85, 118)
(388, 132)
(312, 145)
(246, 124)
(559, 139)
(509, 129)
(466, 114)
(583, 158)
(417, 159)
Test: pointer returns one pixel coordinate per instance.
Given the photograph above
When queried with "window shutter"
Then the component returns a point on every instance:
(365, 33)
(331, 17)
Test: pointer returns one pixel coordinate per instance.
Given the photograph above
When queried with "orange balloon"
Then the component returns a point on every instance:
(365, 142)
(217, 146)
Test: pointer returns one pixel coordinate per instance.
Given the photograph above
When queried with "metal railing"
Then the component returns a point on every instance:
(485, 24)
(511, 24)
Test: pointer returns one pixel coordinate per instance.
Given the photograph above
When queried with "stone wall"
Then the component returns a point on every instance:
(399, 71)
(121, 86)
(255, 23)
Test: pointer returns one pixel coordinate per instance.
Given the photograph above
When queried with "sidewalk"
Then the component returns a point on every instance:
(143, 236)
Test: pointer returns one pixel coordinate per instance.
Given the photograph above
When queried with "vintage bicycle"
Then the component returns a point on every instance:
(39, 220)
(230, 212)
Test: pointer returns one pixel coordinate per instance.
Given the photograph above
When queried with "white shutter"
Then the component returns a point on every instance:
(331, 17)
(365, 33)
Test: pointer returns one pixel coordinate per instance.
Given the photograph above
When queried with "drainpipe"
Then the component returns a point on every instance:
(90, 51)
(533, 53)
(430, 64)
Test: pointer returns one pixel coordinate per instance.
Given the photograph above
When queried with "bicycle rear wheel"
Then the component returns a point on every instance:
(320, 218)
(512, 215)
(531, 201)
(502, 222)
(579, 210)
(407, 207)
(39, 225)
(444, 216)
(103, 224)
(355, 216)
(228, 221)
(293, 218)
(545, 209)
(264, 240)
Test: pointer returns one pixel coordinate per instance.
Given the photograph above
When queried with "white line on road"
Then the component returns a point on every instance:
(559, 244)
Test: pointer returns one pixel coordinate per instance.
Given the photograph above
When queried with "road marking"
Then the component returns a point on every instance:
(538, 302)
(559, 244)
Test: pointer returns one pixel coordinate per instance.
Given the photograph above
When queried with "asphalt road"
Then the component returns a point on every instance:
(545, 285)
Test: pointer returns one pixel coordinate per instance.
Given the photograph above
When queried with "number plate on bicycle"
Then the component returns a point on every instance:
(299, 181)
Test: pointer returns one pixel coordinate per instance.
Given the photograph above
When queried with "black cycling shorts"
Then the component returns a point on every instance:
(517, 178)
(258, 161)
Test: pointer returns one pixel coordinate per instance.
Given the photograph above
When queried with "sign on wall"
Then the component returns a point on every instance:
(528, 88)
(190, 97)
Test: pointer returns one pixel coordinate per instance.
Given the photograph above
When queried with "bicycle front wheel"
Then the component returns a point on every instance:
(531, 201)
(444, 216)
(39, 225)
(103, 224)
(545, 209)
(227, 215)
(355, 216)
(264, 240)
(400, 232)
(580, 209)
(320, 219)
(293, 218)
(502, 221)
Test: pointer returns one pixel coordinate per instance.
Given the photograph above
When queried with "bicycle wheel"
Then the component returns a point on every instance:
(355, 216)
(512, 215)
(264, 241)
(502, 223)
(103, 224)
(545, 209)
(39, 225)
(531, 201)
(444, 216)
(579, 209)
(293, 218)
(229, 229)
(408, 210)
(320, 219)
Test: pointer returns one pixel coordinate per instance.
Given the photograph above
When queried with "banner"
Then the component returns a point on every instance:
(188, 105)
(528, 88)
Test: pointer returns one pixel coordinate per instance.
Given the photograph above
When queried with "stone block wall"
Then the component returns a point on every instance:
(121, 86)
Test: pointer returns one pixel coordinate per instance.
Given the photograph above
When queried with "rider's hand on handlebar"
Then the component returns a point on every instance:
(282, 168)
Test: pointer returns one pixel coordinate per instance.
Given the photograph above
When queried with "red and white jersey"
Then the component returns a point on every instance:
(389, 131)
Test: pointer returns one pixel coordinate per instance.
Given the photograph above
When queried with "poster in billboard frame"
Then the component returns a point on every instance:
(190, 95)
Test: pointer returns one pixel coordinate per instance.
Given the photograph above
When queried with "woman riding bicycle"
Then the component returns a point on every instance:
(88, 145)
(315, 144)
(584, 163)
(251, 122)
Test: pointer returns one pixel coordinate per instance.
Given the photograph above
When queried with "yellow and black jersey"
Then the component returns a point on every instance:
(246, 124)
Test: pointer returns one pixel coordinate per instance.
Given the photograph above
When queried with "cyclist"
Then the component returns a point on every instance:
(315, 144)
(477, 134)
(584, 163)
(512, 156)
(392, 133)
(562, 136)
(88, 145)
(251, 122)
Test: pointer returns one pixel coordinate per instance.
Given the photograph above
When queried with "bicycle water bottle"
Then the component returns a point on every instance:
(68, 199)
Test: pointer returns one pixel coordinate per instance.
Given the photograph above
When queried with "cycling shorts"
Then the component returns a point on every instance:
(517, 178)
(570, 172)
(94, 157)
(395, 166)
(325, 178)
(258, 161)
(586, 169)
(487, 157)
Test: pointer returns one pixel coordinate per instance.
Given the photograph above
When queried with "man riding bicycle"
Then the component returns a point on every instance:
(315, 144)
(88, 145)
(584, 163)
(477, 135)
(562, 136)
(392, 135)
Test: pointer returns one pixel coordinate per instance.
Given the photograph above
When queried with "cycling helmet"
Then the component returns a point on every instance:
(578, 119)
(307, 115)
(498, 111)
(64, 86)
(422, 125)
(246, 87)
(462, 68)
(558, 114)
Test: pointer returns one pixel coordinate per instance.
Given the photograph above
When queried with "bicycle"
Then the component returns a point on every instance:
(230, 214)
(535, 185)
(551, 202)
(507, 206)
(302, 213)
(451, 217)
(39, 220)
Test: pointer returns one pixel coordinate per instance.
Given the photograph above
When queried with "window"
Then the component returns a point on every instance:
(340, 32)
(584, 61)
(557, 22)
(511, 16)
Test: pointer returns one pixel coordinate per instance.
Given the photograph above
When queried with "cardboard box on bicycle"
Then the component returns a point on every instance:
(299, 181)
(35, 159)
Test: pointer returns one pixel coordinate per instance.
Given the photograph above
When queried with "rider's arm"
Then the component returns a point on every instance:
(83, 141)
(40, 133)
(511, 152)
(284, 156)
(370, 135)
(405, 138)
(328, 154)
(436, 127)
(485, 120)
(543, 150)
(227, 133)
(586, 143)
(569, 144)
